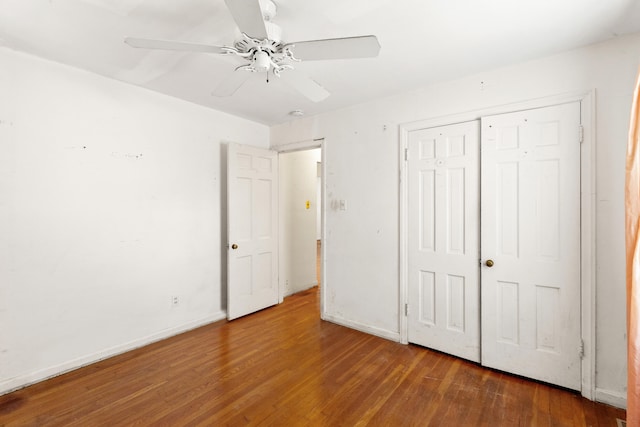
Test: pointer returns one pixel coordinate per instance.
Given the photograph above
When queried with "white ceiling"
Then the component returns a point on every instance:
(423, 41)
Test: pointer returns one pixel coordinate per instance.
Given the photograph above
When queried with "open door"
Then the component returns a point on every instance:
(252, 221)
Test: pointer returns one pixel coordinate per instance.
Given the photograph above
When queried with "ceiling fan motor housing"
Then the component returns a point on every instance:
(273, 31)
(268, 9)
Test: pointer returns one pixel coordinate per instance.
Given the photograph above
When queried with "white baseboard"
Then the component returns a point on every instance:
(26, 380)
(382, 333)
(301, 289)
(613, 398)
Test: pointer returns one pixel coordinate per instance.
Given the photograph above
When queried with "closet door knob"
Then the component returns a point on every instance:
(234, 246)
(489, 263)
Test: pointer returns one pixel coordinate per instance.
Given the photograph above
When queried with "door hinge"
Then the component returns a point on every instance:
(581, 349)
(406, 309)
(581, 133)
(406, 154)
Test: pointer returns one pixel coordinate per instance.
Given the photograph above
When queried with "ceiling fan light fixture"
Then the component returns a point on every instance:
(261, 61)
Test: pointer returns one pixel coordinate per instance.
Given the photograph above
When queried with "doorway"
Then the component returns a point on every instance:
(300, 220)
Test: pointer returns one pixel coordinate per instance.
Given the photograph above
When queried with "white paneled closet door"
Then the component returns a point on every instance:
(507, 195)
(443, 310)
(530, 234)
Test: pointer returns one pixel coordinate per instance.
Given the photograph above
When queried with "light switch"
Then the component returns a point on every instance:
(343, 205)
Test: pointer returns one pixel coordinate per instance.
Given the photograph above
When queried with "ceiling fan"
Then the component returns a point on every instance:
(263, 51)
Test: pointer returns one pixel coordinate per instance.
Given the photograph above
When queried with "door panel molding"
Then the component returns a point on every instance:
(587, 101)
(252, 229)
(444, 243)
(530, 185)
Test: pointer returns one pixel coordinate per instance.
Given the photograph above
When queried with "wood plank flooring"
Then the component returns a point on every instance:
(283, 366)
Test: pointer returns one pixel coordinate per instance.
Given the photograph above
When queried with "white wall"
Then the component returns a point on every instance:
(298, 184)
(361, 155)
(110, 204)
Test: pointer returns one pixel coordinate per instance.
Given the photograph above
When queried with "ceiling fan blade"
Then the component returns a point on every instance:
(231, 83)
(248, 17)
(306, 86)
(172, 45)
(341, 48)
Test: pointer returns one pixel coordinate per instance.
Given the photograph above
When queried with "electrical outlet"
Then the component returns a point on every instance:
(175, 301)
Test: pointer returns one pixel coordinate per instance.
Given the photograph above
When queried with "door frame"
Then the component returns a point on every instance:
(587, 101)
(303, 146)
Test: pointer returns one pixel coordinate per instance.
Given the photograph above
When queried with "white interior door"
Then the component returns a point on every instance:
(252, 221)
(443, 220)
(530, 215)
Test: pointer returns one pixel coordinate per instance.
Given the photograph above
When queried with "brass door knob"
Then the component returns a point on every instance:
(234, 246)
(489, 263)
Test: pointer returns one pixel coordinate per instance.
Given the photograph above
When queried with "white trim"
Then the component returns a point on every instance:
(54, 371)
(613, 398)
(298, 146)
(372, 330)
(323, 230)
(588, 213)
(303, 146)
(588, 243)
(403, 260)
(468, 116)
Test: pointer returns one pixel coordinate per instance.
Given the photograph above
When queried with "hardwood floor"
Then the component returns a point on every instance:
(283, 366)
